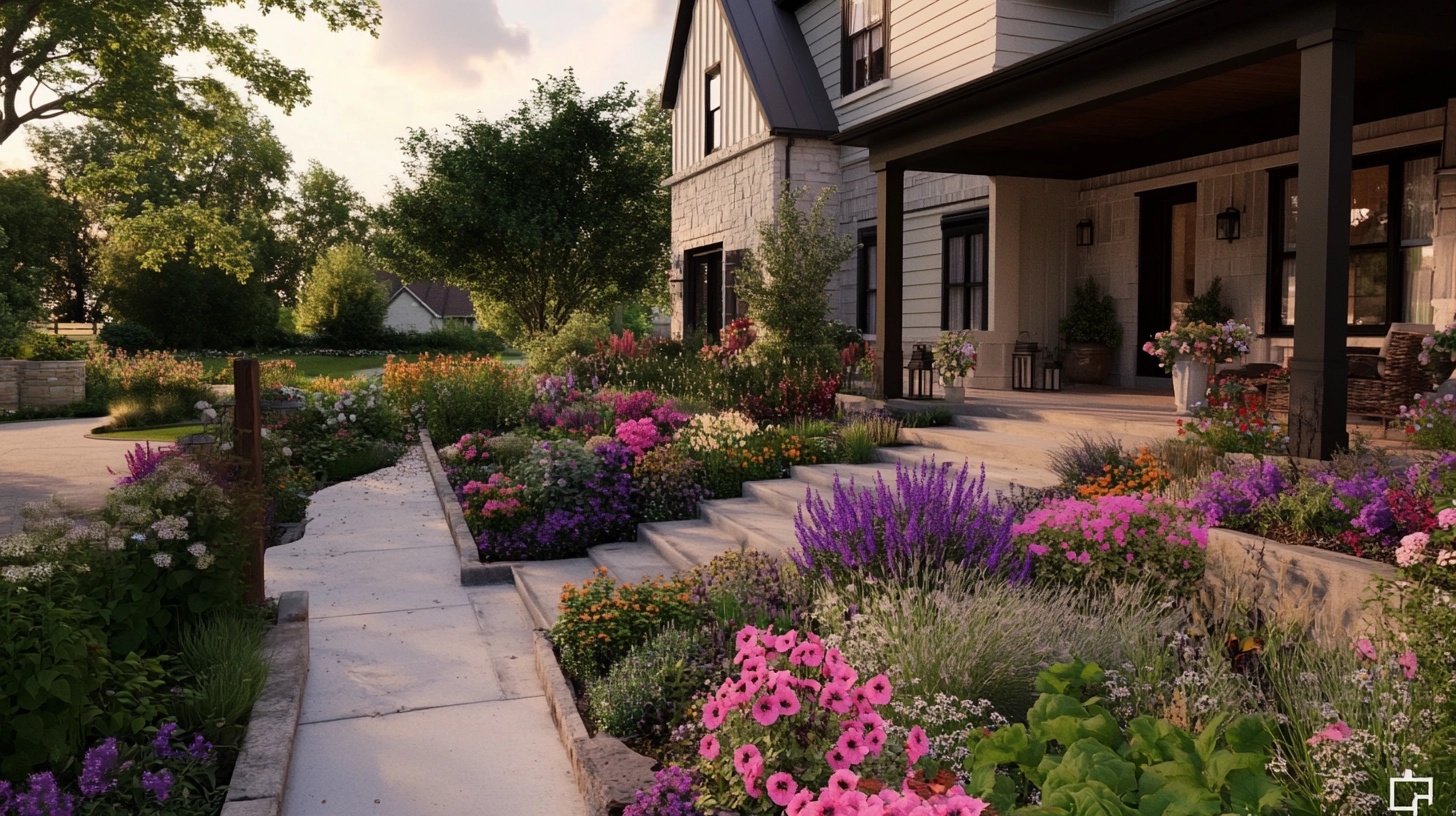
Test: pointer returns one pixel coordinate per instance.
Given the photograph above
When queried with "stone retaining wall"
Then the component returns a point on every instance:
(1325, 590)
(41, 384)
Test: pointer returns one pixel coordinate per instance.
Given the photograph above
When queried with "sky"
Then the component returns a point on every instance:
(435, 60)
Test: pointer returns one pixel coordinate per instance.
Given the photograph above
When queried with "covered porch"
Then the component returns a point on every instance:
(1188, 79)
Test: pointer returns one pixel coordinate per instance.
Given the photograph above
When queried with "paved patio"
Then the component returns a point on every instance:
(53, 457)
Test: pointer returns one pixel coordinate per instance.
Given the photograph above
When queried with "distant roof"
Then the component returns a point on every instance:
(441, 299)
(782, 70)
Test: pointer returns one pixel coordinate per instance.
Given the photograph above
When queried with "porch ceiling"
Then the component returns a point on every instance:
(1194, 77)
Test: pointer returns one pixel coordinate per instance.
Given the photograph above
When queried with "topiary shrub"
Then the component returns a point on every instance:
(1209, 307)
(1092, 317)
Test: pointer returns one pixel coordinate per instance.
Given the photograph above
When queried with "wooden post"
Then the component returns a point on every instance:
(890, 273)
(248, 445)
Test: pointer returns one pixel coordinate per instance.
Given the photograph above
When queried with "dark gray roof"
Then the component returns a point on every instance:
(782, 70)
(441, 299)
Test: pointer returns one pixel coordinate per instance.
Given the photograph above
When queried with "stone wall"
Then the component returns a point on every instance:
(47, 384)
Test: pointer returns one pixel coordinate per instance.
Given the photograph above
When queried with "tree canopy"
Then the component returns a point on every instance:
(113, 61)
(42, 243)
(554, 209)
(342, 299)
(326, 211)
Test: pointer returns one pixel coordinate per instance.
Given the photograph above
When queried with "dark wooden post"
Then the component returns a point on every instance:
(1318, 375)
(890, 282)
(248, 445)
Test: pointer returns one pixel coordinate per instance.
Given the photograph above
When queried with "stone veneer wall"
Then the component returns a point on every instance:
(45, 384)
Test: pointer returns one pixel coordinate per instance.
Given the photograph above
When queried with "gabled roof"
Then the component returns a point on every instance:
(782, 70)
(440, 299)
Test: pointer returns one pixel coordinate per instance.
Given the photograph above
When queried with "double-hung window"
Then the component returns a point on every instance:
(868, 288)
(864, 43)
(964, 303)
(713, 112)
(1392, 261)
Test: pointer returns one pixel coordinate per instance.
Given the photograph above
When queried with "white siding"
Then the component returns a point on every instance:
(407, 314)
(710, 43)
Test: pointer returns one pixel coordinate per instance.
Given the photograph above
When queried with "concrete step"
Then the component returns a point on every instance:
(1061, 423)
(1001, 470)
(631, 561)
(785, 495)
(540, 583)
(754, 524)
(687, 544)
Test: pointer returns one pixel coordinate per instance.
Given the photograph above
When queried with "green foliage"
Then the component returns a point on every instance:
(120, 62)
(555, 209)
(41, 232)
(1072, 751)
(223, 657)
(646, 692)
(556, 473)
(580, 336)
(786, 280)
(39, 346)
(1087, 456)
(454, 396)
(1092, 317)
(669, 484)
(601, 620)
(129, 337)
(324, 212)
(933, 418)
(863, 433)
(750, 588)
(342, 299)
(1209, 307)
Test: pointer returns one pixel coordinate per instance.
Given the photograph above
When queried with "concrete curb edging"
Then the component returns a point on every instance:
(607, 772)
(472, 571)
(261, 776)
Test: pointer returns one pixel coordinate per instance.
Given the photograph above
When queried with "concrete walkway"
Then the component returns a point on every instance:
(53, 457)
(422, 695)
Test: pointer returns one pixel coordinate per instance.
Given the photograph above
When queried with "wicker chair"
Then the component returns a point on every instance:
(1379, 383)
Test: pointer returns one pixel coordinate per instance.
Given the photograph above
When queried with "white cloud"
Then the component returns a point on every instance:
(449, 39)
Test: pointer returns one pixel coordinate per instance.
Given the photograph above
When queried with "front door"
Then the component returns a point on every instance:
(1167, 258)
(703, 292)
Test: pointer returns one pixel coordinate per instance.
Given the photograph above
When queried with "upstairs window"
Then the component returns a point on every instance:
(713, 114)
(864, 43)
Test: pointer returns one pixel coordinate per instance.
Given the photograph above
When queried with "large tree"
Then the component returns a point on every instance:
(43, 246)
(190, 214)
(325, 211)
(114, 60)
(554, 209)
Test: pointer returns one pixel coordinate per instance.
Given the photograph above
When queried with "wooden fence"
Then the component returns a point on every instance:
(83, 332)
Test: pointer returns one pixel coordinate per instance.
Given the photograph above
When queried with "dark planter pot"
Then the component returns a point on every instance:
(1442, 369)
(1088, 363)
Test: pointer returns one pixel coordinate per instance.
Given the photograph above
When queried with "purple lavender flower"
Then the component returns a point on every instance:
(159, 784)
(7, 797)
(142, 462)
(44, 798)
(200, 749)
(96, 769)
(671, 794)
(928, 519)
(1228, 497)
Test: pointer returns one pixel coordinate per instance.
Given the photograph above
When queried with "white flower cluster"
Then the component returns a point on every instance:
(170, 528)
(711, 432)
(198, 550)
(27, 574)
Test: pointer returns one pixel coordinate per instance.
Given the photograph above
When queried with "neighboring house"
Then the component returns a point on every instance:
(969, 138)
(424, 306)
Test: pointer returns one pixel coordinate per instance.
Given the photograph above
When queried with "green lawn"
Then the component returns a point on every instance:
(315, 365)
(154, 434)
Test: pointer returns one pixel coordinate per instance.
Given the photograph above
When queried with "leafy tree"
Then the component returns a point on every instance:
(342, 299)
(555, 209)
(326, 211)
(41, 235)
(183, 205)
(786, 280)
(114, 60)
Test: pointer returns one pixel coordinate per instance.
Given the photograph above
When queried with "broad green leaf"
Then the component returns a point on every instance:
(1090, 761)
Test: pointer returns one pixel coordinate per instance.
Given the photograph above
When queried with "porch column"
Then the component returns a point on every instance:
(1443, 294)
(1318, 387)
(890, 281)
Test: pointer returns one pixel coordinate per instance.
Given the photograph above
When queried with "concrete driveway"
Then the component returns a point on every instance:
(53, 457)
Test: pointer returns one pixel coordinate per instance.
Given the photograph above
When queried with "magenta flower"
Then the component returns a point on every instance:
(1408, 665)
(708, 747)
(781, 788)
(917, 745)
(807, 654)
(745, 754)
(713, 715)
(877, 690)
(835, 698)
(844, 780)
(786, 641)
(1365, 648)
(766, 710)
(1335, 732)
(853, 744)
(837, 759)
(788, 701)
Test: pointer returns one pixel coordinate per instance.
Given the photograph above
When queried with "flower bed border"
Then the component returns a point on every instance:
(260, 778)
(473, 572)
(1327, 589)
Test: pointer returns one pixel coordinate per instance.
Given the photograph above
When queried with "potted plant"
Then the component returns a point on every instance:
(1190, 350)
(954, 358)
(1092, 332)
(1438, 353)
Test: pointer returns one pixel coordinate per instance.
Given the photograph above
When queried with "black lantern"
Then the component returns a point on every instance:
(1023, 366)
(1051, 375)
(921, 364)
(1086, 233)
(1226, 225)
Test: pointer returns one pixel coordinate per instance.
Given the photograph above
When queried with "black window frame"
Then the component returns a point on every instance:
(851, 79)
(868, 283)
(1394, 247)
(712, 117)
(966, 224)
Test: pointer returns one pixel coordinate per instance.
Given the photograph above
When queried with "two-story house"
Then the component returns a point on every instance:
(990, 154)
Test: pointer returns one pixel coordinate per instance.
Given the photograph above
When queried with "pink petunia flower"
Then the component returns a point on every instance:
(835, 698)
(745, 754)
(1335, 732)
(766, 710)
(708, 747)
(837, 759)
(781, 788)
(1408, 665)
(713, 715)
(854, 746)
(787, 700)
(1365, 648)
(877, 689)
(807, 654)
(917, 745)
(798, 801)
(844, 780)
(786, 641)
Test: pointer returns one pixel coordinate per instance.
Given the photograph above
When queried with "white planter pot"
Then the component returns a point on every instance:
(1190, 386)
(955, 393)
